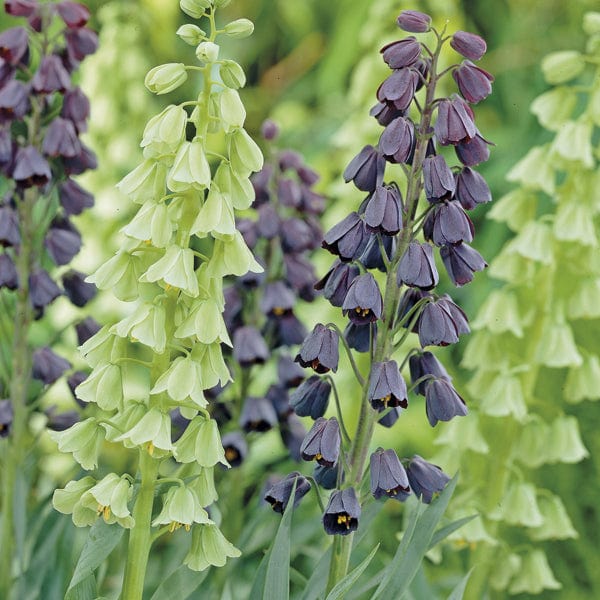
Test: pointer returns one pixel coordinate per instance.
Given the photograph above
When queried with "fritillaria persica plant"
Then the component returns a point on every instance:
(161, 357)
(42, 114)
(388, 233)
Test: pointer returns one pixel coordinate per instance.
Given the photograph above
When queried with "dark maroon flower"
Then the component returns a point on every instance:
(80, 43)
(14, 101)
(388, 477)
(399, 88)
(20, 8)
(471, 189)
(42, 289)
(289, 373)
(286, 330)
(414, 21)
(442, 403)
(73, 198)
(348, 238)
(384, 210)
(417, 267)
(438, 179)
(372, 258)
(14, 46)
(386, 386)
(300, 275)
(51, 76)
(76, 108)
(73, 381)
(397, 141)
(425, 479)
(447, 223)
(336, 282)
(322, 442)
(77, 289)
(80, 163)
(292, 433)
(48, 366)
(9, 227)
(9, 277)
(62, 241)
(277, 299)
(441, 322)
(279, 494)
(61, 421)
(474, 83)
(307, 175)
(268, 223)
(288, 159)
(389, 419)
(408, 301)
(474, 151)
(326, 477)
(289, 192)
(86, 329)
(469, 45)
(363, 302)
(61, 139)
(249, 347)
(232, 313)
(461, 261)
(258, 414)
(6, 417)
(386, 112)
(74, 15)
(320, 350)
(269, 130)
(311, 397)
(279, 398)
(296, 235)
(426, 364)
(342, 512)
(366, 169)
(359, 336)
(236, 448)
(402, 53)
(454, 122)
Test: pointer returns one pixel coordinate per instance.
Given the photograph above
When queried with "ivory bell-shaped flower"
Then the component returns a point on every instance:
(201, 443)
(209, 547)
(83, 440)
(181, 507)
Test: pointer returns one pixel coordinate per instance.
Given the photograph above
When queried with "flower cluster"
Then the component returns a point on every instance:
(383, 234)
(161, 357)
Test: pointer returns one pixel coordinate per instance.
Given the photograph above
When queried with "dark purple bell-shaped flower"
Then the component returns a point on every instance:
(14, 101)
(311, 397)
(289, 373)
(417, 267)
(391, 416)
(20, 8)
(80, 163)
(62, 241)
(383, 213)
(386, 386)
(258, 414)
(9, 278)
(250, 280)
(268, 222)
(51, 76)
(336, 282)
(74, 15)
(279, 494)
(296, 235)
(6, 417)
(366, 169)
(48, 366)
(402, 53)
(292, 433)
(31, 168)
(348, 238)
(342, 513)
(471, 189)
(454, 122)
(289, 192)
(474, 83)
(363, 302)
(73, 198)
(76, 108)
(42, 289)
(414, 21)
(326, 477)
(441, 322)
(300, 275)
(426, 364)
(474, 151)
(14, 46)
(397, 141)
(249, 346)
(386, 112)
(277, 299)
(77, 289)
(438, 179)
(388, 477)
(461, 262)
(359, 336)
(425, 479)
(322, 442)
(81, 43)
(399, 88)
(447, 223)
(61, 421)
(407, 302)
(320, 350)
(85, 329)
(279, 398)
(286, 330)
(9, 227)
(469, 45)
(269, 130)
(61, 139)
(236, 447)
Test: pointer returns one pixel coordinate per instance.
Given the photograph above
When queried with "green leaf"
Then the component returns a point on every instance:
(444, 532)
(258, 585)
(180, 584)
(458, 592)
(345, 584)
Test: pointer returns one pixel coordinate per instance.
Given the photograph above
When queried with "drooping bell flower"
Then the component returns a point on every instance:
(390, 417)
(81, 42)
(414, 21)
(14, 101)
(388, 477)
(61, 139)
(74, 15)
(425, 479)
(62, 241)
(447, 223)
(442, 402)
(383, 213)
(454, 122)
(279, 494)
(320, 350)
(422, 365)
(73, 198)
(366, 169)
(85, 329)
(293, 432)
(363, 302)
(336, 282)
(438, 179)
(402, 53)
(9, 227)
(474, 83)
(399, 88)
(51, 76)
(277, 300)
(42, 289)
(473, 151)
(258, 414)
(14, 46)
(441, 322)
(9, 278)
(342, 512)
(77, 289)
(326, 477)
(417, 267)
(461, 262)
(322, 442)
(469, 45)
(296, 235)
(359, 336)
(76, 108)
(300, 275)
(347, 239)
(386, 112)
(471, 189)
(249, 346)
(408, 301)
(236, 448)
(289, 373)
(386, 386)
(286, 330)
(279, 398)
(311, 397)
(397, 141)
(47, 366)
(30, 168)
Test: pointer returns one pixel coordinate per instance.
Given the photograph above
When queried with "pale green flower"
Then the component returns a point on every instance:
(164, 132)
(190, 168)
(181, 507)
(216, 215)
(233, 113)
(103, 386)
(83, 440)
(146, 325)
(200, 442)
(231, 256)
(176, 269)
(153, 430)
(205, 322)
(232, 74)
(239, 189)
(145, 182)
(212, 366)
(182, 380)
(165, 78)
(244, 153)
(119, 274)
(209, 547)
(64, 500)
(151, 223)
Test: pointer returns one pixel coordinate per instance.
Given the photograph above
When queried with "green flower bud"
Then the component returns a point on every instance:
(164, 132)
(120, 274)
(554, 108)
(194, 8)
(534, 441)
(176, 269)
(232, 74)
(534, 576)
(182, 380)
(181, 507)
(104, 386)
(153, 430)
(519, 506)
(64, 500)
(83, 440)
(240, 190)
(591, 23)
(209, 547)
(233, 113)
(190, 167)
(109, 497)
(557, 347)
(206, 323)
(559, 67)
(213, 367)
(567, 446)
(535, 170)
(146, 181)
(207, 52)
(583, 383)
(201, 443)
(240, 28)
(505, 397)
(165, 78)
(507, 565)
(204, 486)
(232, 257)
(244, 153)
(556, 525)
(191, 34)
(216, 215)
(151, 223)
(146, 325)
(574, 142)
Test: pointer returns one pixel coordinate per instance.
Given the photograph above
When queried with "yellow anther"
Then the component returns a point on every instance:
(147, 242)
(150, 448)
(231, 454)
(172, 526)
(100, 509)
(345, 519)
(386, 399)
(188, 527)
(318, 456)
(278, 311)
(106, 513)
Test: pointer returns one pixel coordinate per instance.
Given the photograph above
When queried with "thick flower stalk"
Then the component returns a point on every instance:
(534, 352)
(42, 114)
(161, 357)
(389, 233)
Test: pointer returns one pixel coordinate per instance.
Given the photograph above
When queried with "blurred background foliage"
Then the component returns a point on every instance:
(314, 67)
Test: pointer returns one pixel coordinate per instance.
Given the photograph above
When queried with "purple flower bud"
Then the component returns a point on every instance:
(454, 122)
(389, 419)
(300, 275)
(417, 267)
(289, 192)
(326, 477)
(260, 183)
(289, 373)
(461, 261)
(77, 289)
(236, 448)
(292, 433)
(9, 277)
(347, 239)
(386, 386)
(307, 175)
(384, 210)
(386, 112)
(51, 76)
(258, 414)
(397, 141)
(296, 235)
(20, 8)
(311, 397)
(407, 302)
(81, 43)
(14, 46)
(249, 347)
(31, 168)
(62, 241)
(269, 130)
(14, 101)
(80, 163)
(61, 421)
(438, 179)
(402, 53)
(363, 302)
(278, 396)
(42, 289)
(76, 108)
(9, 227)
(424, 364)
(342, 512)
(388, 477)
(359, 336)
(471, 189)
(74, 15)
(474, 83)
(474, 151)
(414, 21)
(320, 350)
(73, 198)
(441, 322)
(279, 494)
(277, 300)
(447, 223)
(399, 88)
(48, 366)
(442, 403)
(322, 442)
(6, 417)
(336, 282)
(469, 45)
(366, 169)
(288, 159)
(61, 139)
(86, 329)
(425, 479)
(287, 330)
